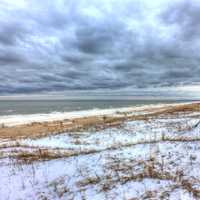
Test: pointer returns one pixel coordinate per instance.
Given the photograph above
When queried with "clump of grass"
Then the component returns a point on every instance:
(39, 155)
(123, 171)
(59, 186)
(89, 181)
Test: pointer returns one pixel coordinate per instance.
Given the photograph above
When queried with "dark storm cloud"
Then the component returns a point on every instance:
(98, 38)
(65, 45)
(10, 33)
(9, 58)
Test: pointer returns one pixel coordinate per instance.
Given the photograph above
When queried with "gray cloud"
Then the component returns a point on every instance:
(9, 33)
(90, 45)
(9, 58)
(186, 16)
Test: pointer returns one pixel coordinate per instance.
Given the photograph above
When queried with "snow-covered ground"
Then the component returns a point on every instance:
(146, 159)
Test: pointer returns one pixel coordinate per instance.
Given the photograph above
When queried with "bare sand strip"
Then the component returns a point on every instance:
(40, 129)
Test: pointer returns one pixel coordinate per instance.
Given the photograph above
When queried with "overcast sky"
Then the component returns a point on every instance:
(90, 45)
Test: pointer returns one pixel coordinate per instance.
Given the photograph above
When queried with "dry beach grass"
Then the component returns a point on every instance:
(152, 155)
(38, 129)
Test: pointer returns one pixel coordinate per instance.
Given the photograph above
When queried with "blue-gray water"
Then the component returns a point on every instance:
(11, 107)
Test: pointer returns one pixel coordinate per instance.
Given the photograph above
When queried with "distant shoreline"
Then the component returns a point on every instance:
(26, 107)
(22, 119)
(77, 121)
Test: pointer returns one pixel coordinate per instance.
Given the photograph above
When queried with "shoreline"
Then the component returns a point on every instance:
(97, 120)
(22, 119)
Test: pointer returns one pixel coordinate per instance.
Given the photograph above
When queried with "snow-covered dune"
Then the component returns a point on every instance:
(152, 159)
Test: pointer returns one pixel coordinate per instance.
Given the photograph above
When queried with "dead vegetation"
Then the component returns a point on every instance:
(50, 154)
(117, 171)
(119, 168)
(31, 154)
(37, 129)
(39, 155)
(123, 171)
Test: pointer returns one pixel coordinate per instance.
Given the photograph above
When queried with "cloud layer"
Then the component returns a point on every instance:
(68, 45)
